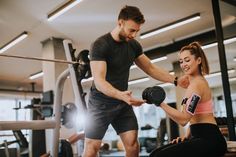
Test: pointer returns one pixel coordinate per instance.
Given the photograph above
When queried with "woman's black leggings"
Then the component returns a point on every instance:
(206, 140)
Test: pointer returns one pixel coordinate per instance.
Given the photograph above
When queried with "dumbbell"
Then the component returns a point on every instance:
(154, 95)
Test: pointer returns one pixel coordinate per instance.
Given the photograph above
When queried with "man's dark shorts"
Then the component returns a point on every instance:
(100, 115)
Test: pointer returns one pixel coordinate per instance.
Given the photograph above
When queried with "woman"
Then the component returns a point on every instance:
(204, 137)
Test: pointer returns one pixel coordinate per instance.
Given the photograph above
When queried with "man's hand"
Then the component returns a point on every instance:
(183, 81)
(126, 96)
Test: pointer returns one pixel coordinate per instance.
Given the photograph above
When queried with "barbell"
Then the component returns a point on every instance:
(40, 59)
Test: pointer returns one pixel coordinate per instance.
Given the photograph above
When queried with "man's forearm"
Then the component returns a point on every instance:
(107, 89)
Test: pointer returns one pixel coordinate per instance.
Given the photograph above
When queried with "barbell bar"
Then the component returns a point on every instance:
(40, 59)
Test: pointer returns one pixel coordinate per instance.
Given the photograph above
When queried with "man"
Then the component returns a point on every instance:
(109, 101)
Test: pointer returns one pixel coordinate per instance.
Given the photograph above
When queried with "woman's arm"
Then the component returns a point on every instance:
(183, 117)
(180, 117)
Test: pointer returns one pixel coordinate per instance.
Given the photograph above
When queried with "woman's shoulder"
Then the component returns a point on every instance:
(199, 81)
(200, 84)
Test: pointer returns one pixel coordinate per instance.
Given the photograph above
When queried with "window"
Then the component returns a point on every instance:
(11, 110)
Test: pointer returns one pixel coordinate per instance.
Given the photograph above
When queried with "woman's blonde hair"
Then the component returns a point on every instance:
(196, 50)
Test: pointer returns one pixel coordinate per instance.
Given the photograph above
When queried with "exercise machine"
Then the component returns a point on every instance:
(55, 122)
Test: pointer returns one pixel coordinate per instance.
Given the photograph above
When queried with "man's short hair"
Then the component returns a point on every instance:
(131, 13)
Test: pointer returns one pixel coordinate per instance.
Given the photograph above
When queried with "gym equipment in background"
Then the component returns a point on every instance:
(21, 141)
(69, 112)
(55, 122)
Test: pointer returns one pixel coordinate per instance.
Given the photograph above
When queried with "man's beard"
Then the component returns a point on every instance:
(122, 36)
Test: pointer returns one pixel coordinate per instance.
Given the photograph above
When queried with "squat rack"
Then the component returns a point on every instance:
(55, 122)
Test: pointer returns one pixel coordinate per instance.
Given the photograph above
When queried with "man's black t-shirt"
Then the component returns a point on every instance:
(119, 56)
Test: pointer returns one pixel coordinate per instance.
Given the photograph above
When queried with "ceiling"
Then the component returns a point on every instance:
(92, 18)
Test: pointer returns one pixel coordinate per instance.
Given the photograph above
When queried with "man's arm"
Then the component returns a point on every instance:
(98, 69)
(155, 72)
(76, 137)
(160, 74)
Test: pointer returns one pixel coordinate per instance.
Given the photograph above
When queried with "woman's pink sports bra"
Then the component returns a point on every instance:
(204, 107)
(193, 107)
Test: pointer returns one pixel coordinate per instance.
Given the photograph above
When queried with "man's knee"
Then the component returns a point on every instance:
(132, 146)
(130, 141)
(91, 148)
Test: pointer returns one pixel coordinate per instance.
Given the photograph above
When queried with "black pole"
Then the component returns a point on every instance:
(33, 86)
(224, 70)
